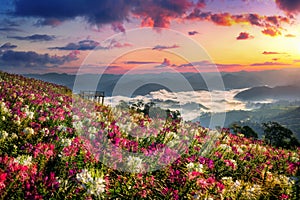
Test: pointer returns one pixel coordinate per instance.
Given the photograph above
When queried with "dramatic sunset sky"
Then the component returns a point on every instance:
(40, 36)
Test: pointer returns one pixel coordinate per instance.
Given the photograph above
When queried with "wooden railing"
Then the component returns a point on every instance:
(97, 96)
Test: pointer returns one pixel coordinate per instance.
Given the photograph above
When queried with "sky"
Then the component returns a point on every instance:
(148, 36)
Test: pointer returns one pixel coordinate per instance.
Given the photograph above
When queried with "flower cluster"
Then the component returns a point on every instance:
(56, 145)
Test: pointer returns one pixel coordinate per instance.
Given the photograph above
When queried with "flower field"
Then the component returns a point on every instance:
(55, 145)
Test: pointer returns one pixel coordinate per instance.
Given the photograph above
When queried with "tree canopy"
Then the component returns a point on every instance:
(279, 136)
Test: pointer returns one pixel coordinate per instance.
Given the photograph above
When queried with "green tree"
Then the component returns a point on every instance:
(249, 132)
(142, 107)
(236, 128)
(151, 110)
(279, 136)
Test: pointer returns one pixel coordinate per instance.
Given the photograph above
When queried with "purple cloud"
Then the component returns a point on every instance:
(35, 37)
(193, 32)
(162, 47)
(244, 36)
(7, 46)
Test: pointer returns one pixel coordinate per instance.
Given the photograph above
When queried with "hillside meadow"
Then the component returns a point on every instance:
(56, 145)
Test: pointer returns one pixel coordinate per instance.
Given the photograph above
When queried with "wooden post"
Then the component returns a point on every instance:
(97, 96)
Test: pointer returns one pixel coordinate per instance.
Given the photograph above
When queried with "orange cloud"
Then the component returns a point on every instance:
(271, 31)
(271, 53)
(271, 24)
(290, 35)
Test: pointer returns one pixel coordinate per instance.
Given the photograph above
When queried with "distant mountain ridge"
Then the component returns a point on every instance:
(264, 92)
(234, 80)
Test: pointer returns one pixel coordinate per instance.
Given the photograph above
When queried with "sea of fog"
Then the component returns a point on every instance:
(191, 104)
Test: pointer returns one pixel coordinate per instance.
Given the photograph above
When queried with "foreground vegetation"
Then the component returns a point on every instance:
(55, 146)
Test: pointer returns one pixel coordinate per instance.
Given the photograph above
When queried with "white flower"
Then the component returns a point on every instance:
(30, 114)
(61, 99)
(240, 150)
(3, 107)
(62, 128)
(195, 167)
(92, 136)
(14, 136)
(135, 163)
(255, 188)
(99, 185)
(172, 135)
(78, 125)
(172, 139)
(45, 131)
(227, 178)
(28, 131)
(17, 120)
(94, 185)
(3, 134)
(24, 160)
(199, 168)
(190, 166)
(237, 183)
(92, 130)
(84, 176)
(75, 117)
(66, 142)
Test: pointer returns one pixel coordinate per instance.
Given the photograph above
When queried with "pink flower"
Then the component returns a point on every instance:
(202, 183)
(175, 194)
(210, 180)
(231, 164)
(210, 164)
(42, 119)
(165, 191)
(284, 196)
(44, 149)
(192, 175)
(220, 186)
(143, 193)
(292, 168)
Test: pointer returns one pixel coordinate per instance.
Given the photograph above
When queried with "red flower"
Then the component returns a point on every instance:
(2, 179)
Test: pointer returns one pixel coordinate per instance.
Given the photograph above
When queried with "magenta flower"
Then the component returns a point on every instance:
(284, 196)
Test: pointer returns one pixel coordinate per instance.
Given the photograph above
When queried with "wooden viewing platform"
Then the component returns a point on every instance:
(97, 96)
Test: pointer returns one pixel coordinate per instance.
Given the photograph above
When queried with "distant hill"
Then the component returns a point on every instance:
(291, 119)
(241, 80)
(264, 92)
(284, 112)
(60, 79)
